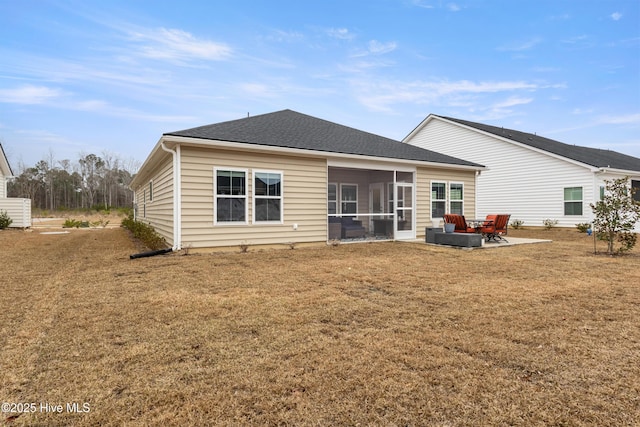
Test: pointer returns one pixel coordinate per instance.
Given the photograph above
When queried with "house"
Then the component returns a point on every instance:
(18, 209)
(531, 177)
(286, 177)
(5, 173)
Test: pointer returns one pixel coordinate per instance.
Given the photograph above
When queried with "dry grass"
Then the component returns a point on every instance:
(368, 334)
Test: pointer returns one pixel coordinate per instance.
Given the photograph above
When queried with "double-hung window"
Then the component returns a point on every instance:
(573, 201)
(349, 198)
(456, 198)
(267, 196)
(332, 198)
(438, 199)
(230, 196)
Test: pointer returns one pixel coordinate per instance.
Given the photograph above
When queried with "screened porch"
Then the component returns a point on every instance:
(366, 204)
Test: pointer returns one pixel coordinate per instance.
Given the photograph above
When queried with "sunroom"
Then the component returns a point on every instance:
(370, 204)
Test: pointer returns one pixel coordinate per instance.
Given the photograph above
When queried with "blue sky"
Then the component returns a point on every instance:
(112, 76)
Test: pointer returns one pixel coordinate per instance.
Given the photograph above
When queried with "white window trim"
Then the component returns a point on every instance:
(280, 197)
(456, 200)
(349, 201)
(336, 201)
(431, 200)
(245, 197)
(564, 201)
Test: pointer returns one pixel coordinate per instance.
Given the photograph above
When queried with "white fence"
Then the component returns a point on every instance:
(19, 210)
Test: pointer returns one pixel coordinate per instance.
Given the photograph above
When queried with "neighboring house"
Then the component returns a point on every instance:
(19, 210)
(528, 176)
(5, 173)
(286, 177)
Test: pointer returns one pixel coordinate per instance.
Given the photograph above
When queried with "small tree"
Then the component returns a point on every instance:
(5, 221)
(616, 215)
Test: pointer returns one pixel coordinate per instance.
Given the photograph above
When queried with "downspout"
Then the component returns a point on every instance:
(475, 198)
(177, 196)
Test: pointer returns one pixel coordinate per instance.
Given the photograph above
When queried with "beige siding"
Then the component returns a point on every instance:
(158, 212)
(423, 194)
(304, 199)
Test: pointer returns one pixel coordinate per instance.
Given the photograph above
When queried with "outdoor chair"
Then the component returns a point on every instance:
(502, 223)
(351, 228)
(494, 227)
(460, 222)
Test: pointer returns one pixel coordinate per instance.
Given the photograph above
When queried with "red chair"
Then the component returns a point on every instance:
(460, 222)
(502, 223)
(495, 226)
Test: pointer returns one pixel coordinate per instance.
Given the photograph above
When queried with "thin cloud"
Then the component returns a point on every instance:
(381, 96)
(576, 39)
(178, 45)
(453, 7)
(378, 48)
(512, 102)
(628, 119)
(29, 94)
(518, 47)
(616, 16)
(340, 33)
(422, 4)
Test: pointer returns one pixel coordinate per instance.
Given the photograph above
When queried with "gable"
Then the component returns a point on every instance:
(5, 168)
(592, 157)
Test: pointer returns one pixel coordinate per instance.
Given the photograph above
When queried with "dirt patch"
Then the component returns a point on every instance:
(370, 334)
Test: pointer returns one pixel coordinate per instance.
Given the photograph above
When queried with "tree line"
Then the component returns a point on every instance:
(90, 182)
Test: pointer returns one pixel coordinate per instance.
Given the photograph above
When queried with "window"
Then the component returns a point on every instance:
(456, 198)
(349, 198)
(267, 196)
(144, 203)
(151, 191)
(438, 199)
(332, 199)
(230, 196)
(635, 187)
(573, 201)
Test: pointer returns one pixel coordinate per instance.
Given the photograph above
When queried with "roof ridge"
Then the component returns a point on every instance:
(591, 156)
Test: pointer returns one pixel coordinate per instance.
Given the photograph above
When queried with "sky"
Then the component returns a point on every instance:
(110, 77)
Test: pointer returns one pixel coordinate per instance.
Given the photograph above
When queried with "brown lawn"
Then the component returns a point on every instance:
(366, 334)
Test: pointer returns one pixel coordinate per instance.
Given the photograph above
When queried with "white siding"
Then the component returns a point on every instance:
(527, 184)
(3, 186)
(19, 210)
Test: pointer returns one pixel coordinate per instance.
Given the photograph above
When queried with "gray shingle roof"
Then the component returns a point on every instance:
(291, 129)
(591, 156)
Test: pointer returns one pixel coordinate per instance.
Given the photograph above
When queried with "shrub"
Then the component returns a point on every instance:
(517, 224)
(550, 223)
(616, 215)
(5, 221)
(145, 233)
(74, 223)
(583, 227)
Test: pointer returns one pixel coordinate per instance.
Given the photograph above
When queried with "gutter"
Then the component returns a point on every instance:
(177, 196)
(607, 169)
(329, 155)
